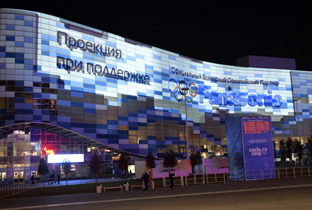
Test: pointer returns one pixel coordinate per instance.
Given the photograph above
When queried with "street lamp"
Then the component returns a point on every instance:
(185, 89)
(296, 102)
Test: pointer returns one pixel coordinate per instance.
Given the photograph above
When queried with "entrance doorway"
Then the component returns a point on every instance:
(35, 174)
(18, 176)
(3, 178)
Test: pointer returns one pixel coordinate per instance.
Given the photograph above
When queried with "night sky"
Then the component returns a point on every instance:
(213, 31)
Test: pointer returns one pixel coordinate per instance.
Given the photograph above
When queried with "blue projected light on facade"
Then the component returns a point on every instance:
(225, 98)
(125, 95)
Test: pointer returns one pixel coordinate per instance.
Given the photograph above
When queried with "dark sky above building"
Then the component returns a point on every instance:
(213, 31)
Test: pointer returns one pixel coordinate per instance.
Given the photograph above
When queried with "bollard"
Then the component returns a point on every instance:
(204, 179)
(186, 181)
(294, 172)
(126, 187)
(164, 181)
(182, 181)
(224, 178)
(194, 178)
(99, 189)
(309, 171)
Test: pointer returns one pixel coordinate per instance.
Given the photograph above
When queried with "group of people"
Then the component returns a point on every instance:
(52, 178)
(148, 180)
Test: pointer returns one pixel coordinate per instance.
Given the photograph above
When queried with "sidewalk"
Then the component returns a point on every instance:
(72, 182)
(187, 190)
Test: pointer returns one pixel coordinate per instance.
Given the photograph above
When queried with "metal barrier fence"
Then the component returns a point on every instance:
(216, 178)
(178, 181)
(195, 179)
(12, 189)
(279, 173)
(260, 174)
(294, 172)
(234, 176)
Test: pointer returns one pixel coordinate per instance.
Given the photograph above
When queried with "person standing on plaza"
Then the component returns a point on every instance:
(58, 178)
(145, 178)
(32, 180)
(51, 178)
(150, 180)
(171, 178)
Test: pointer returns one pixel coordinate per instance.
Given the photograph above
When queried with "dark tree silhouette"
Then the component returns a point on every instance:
(43, 169)
(282, 151)
(150, 161)
(298, 149)
(66, 165)
(95, 164)
(289, 146)
(170, 160)
(123, 163)
(195, 159)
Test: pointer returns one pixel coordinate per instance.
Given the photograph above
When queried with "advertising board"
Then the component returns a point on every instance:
(258, 148)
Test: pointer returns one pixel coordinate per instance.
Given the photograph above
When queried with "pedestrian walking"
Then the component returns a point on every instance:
(171, 178)
(58, 178)
(53, 178)
(146, 180)
(50, 180)
(32, 180)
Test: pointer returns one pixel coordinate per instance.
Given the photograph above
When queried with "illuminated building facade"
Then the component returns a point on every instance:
(66, 88)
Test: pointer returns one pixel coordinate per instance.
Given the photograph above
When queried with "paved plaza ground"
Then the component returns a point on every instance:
(92, 198)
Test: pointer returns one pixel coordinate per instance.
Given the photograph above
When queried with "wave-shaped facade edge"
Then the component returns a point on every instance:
(127, 95)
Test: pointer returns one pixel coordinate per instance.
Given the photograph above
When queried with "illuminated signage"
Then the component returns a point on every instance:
(72, 43)
(102, 71)
(224, 79)
(46, 151)
(73, 158)
(49, 152)
(72, 65)
(226, 98)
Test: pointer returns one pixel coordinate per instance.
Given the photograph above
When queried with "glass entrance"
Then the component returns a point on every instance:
(18, 176)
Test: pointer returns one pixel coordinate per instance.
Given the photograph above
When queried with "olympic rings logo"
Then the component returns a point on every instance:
(178, 91)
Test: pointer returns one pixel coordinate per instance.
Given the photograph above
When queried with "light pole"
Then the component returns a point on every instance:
(282, 123)
(185, 89)
(296, 102)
